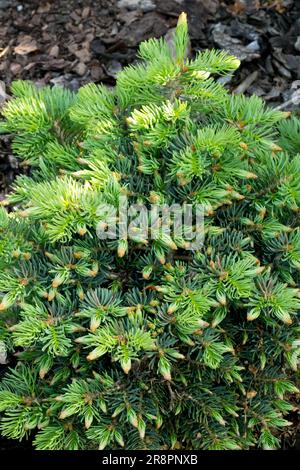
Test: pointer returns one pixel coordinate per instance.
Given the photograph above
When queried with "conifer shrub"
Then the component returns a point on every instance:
(150, 343)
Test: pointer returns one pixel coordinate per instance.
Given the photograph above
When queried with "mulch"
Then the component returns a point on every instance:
(72, 42)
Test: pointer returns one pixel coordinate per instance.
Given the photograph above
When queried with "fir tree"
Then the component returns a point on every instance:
(144, 344)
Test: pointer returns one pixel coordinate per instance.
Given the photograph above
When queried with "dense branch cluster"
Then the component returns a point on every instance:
(143, 343)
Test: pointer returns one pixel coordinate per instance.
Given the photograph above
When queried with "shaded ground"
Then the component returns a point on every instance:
(72, 42)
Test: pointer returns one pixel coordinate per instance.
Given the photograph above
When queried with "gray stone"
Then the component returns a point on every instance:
(129, 4)
(147, 5)
(113, 68)
(233, 45)
(253, 46)
(144, 5)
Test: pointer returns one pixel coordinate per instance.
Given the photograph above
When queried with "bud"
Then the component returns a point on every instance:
(147, 272)
(122, 248)
(221, 298)
(126, 365)
(132, 417)
(234, 62)
(154, 198)
(159, 422)
(94, 271)
(51, 295)
(24, 214)
(57, 281)
(164, 368)
(80, 293)
(237, 196)
(243, 145)
(275, 148)
(97, 352)
(172, 308)
(94, 324)
(43, 371)
(259, 270)
(201, 74)
(249, 175)
(253, 314)
(16, 253)
(6, 303)
(27, 256)
(161, 257)
(81, 231)
(88, 421)
(202, 323)
(64, 414)
(142, 428)
(182, 19)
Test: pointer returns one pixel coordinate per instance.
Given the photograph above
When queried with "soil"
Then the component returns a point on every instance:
(73, 42)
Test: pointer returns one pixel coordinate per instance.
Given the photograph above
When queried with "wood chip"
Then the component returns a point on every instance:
(3, 95)
(83, 55)
(80, 68)
(242, 87)
(15, 68)
(4, 51)
(54, 51)
(85, 12)
(27, 45)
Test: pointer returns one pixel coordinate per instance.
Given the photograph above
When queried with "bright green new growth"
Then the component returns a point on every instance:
(141, 343)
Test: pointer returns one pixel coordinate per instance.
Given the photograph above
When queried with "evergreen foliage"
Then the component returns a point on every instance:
(138, 343)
